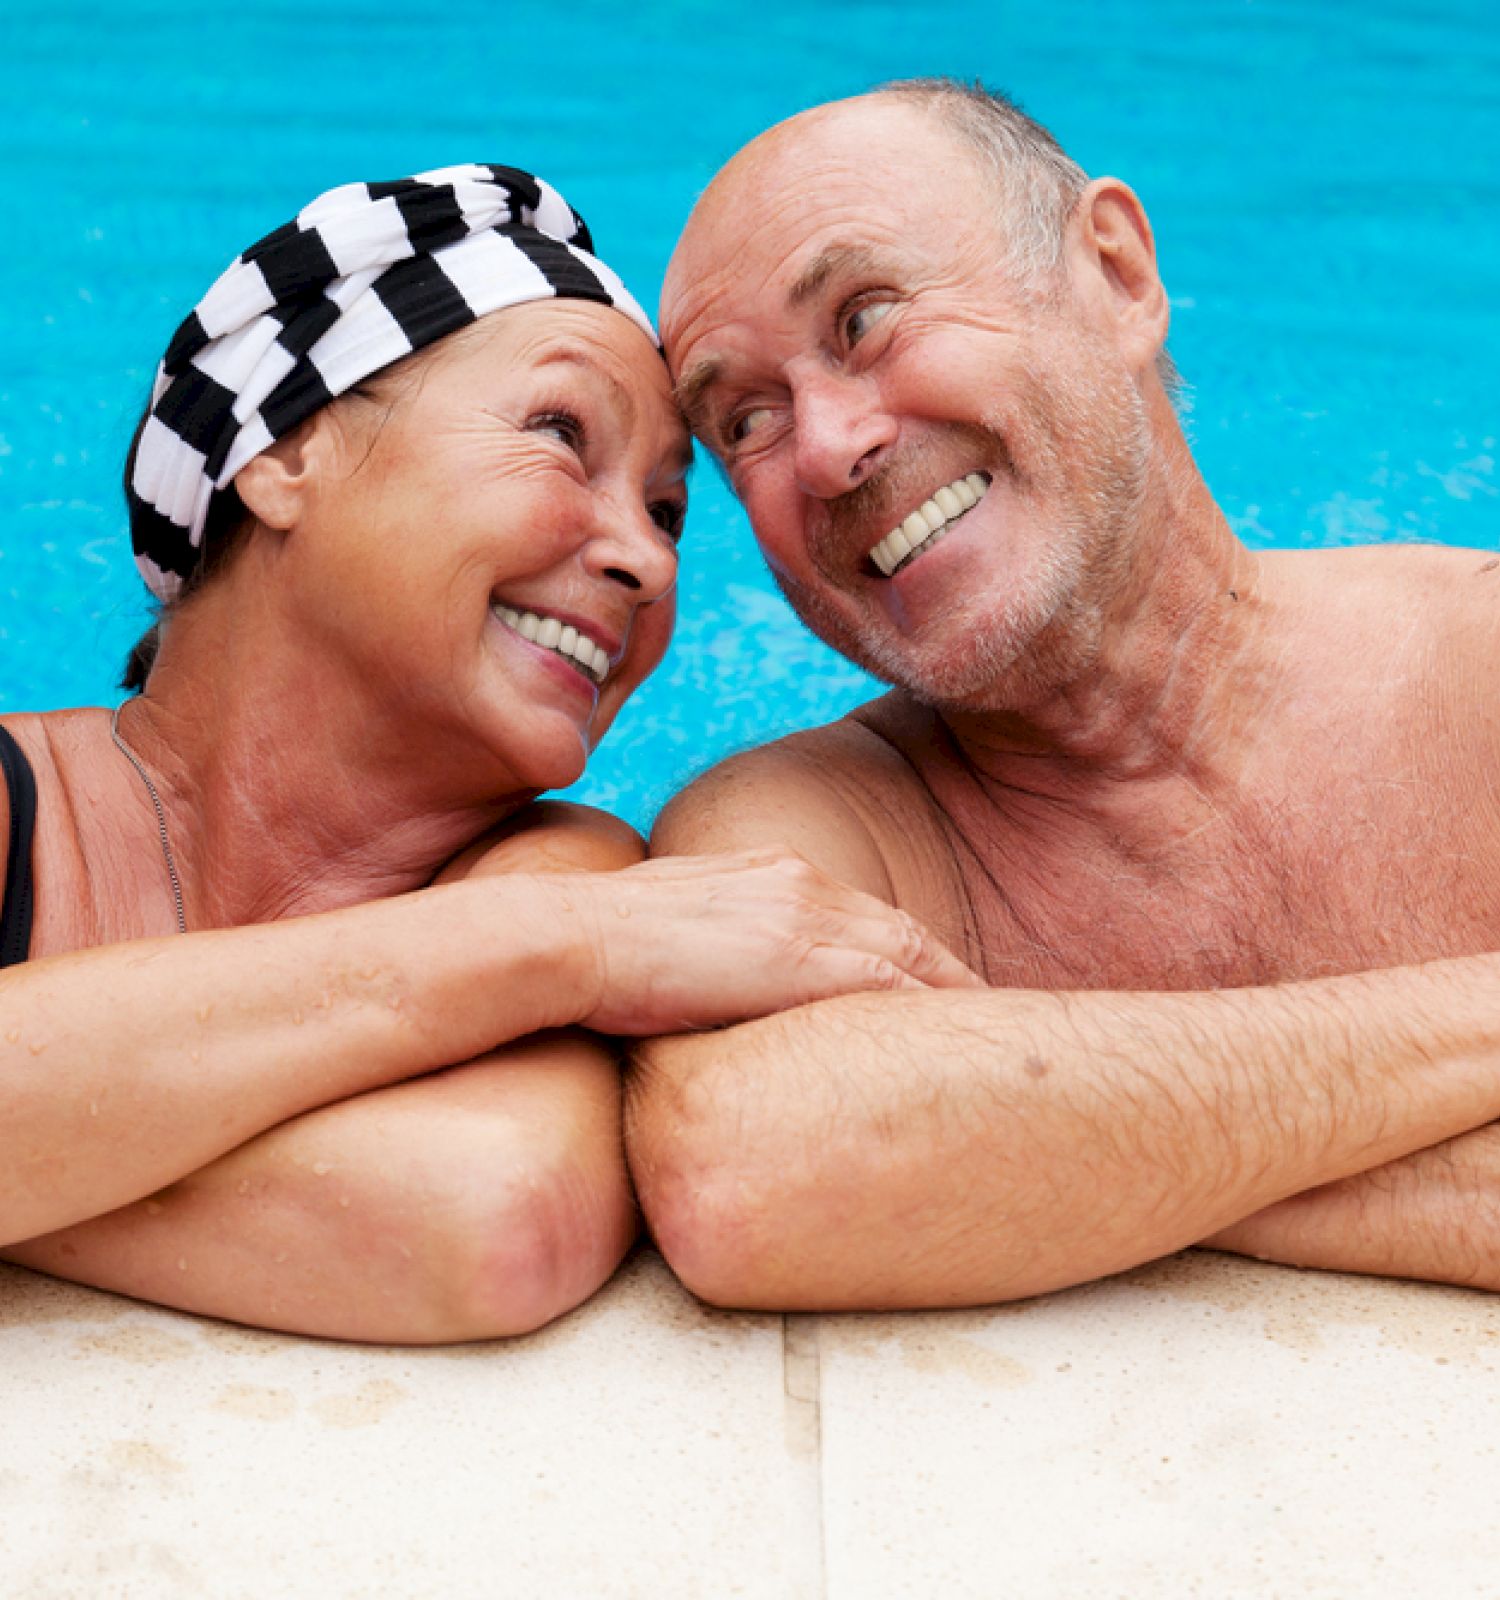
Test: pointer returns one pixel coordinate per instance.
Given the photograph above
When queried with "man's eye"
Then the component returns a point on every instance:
(859, 321)
(742, 426)
(562, 425)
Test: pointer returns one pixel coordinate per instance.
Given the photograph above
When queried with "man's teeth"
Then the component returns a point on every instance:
(562, 637)
(929, 522)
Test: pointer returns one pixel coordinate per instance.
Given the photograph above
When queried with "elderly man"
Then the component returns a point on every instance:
(1123, 755)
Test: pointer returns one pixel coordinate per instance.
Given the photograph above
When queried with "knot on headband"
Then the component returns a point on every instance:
(366, 274)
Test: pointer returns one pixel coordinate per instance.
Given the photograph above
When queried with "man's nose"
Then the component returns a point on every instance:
(630, 550)
(841, 432)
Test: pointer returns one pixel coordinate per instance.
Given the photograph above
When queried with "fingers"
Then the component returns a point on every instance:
(927, 958)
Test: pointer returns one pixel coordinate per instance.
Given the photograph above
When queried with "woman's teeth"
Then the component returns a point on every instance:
(929, 522)
(575, 648)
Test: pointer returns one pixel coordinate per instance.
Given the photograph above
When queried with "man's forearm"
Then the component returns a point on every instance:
(1432, 1215)
(959, 1147)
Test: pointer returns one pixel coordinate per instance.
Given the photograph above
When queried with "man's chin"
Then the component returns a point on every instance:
(961, 663)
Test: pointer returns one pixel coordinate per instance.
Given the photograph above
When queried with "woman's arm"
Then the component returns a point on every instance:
(472, 1203)
(477, 1202)
(489, 1198)
(126, 1067)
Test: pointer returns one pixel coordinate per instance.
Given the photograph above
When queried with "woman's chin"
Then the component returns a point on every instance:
(551, 764)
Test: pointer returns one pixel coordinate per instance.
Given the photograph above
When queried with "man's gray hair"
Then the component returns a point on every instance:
(1038, 180)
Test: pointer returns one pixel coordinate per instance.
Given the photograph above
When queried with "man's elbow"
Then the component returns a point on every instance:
(709, 1208)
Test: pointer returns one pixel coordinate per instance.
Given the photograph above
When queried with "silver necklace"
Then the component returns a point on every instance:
(161, 816)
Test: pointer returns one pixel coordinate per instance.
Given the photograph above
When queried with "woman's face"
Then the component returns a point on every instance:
(498, 554)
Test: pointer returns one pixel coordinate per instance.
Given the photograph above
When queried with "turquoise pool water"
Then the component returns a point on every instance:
(1322, 178)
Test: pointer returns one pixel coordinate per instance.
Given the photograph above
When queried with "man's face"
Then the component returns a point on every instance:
(851, 344)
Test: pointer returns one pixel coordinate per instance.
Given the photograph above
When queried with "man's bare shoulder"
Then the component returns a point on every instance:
(821, 792)
(1447, 580)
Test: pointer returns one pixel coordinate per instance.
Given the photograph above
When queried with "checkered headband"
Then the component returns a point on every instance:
(363, 276)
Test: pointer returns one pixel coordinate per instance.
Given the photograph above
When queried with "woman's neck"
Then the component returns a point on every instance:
(285, 792)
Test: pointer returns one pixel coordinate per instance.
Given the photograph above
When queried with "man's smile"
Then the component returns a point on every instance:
(925, 526)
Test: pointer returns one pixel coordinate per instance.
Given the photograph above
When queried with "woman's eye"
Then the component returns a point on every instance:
(742, 426)
(562, 425)
(859, 321)
(669, 516)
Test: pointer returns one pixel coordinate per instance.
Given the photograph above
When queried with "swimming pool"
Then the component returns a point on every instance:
(1322, 181)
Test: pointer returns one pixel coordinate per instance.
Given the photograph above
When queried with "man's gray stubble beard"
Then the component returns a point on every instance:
(1052, 633)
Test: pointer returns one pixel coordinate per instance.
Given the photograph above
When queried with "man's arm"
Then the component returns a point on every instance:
(474, 1202)
(1434, 1214)
(962, 1147)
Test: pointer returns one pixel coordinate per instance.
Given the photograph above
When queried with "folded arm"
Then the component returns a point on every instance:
(961, 1147)
(1434, 1214)
(472, 1202)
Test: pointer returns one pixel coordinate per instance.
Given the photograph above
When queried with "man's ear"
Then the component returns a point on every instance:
(275, 485)
(1116, 237)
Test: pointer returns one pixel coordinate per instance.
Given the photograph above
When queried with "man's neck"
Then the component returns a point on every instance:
(1161, 676)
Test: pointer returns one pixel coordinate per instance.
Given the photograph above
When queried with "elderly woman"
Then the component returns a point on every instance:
(302, 1015)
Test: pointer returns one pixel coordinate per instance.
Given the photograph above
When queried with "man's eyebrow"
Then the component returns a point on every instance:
(837, 261)
(691, 387)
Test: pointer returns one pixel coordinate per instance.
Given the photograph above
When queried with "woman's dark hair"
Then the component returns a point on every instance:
(227, 521)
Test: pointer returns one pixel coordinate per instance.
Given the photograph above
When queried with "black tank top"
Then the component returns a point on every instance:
(15, 910)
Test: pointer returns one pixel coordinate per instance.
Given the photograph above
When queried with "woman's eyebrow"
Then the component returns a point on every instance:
(682, 459)
(581, 358)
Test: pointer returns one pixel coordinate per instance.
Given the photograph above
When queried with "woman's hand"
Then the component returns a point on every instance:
(695, 941)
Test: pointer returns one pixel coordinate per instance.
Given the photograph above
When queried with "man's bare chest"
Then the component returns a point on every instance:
(1289, 893)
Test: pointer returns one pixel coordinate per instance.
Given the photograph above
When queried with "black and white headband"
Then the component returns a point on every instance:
(363, 276)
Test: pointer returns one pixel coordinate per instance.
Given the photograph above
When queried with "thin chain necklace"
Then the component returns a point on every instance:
(161, 816)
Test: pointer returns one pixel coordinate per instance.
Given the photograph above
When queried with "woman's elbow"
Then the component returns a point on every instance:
(533, 1245)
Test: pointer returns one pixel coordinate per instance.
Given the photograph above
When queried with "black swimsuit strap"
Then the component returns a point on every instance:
(15, 911)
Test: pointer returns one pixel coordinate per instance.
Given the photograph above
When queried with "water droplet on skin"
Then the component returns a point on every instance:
(182, 1263)
(93, 1108)
(153, 1208)
(297, 1018)
(622, 911)
(243, 1187)
(13, 1035)
(195, 1055)
(36, 1049)
(344, 1201)
(280, 1258)
(204, 1013)
(321, 1169)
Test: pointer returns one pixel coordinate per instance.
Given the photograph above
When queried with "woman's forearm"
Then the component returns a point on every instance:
(125, 1067)
(468, 1204)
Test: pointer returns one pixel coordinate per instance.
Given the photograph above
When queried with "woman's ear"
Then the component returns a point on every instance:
(275, 485)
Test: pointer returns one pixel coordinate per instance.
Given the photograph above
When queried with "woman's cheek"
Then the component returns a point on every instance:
(650, 634)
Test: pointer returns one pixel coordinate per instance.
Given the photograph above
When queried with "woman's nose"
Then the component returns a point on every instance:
(632, 551)
(840, 432)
